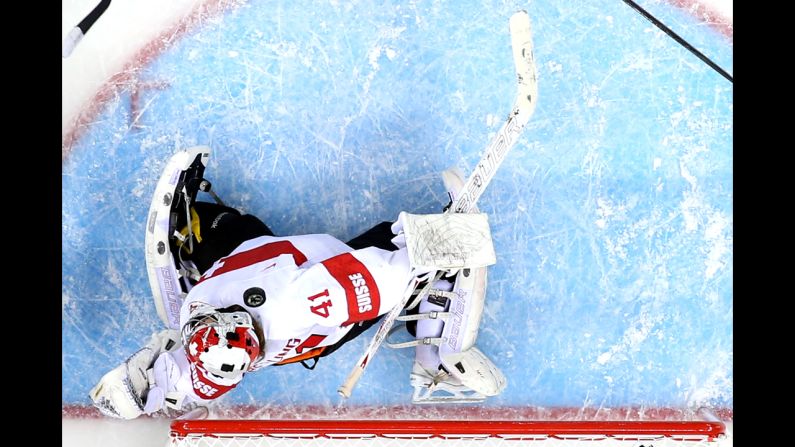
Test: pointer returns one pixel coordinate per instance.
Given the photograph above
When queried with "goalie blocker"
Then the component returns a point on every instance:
(448, 367)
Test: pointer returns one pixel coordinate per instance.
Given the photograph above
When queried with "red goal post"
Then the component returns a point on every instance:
(449, 432)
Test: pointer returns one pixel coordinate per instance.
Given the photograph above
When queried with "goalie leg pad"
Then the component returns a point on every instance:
(466, 307)
(457, 352)
(454, 370)
(175, 190)
(427, 355)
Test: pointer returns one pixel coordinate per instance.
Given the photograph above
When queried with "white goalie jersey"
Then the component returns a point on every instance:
(304, 292)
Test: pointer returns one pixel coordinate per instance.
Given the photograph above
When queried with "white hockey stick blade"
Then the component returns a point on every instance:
(524, 61)
(524, 106)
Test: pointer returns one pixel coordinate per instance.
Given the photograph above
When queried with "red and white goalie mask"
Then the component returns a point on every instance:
(221, 342)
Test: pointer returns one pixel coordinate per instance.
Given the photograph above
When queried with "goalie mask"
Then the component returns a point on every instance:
(222, 342)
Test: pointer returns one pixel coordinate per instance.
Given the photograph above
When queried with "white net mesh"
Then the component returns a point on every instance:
(441, 433)
(373, 441)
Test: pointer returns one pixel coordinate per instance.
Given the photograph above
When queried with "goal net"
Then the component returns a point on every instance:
(461, 431)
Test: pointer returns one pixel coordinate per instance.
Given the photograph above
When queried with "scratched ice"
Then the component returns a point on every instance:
(612, 218)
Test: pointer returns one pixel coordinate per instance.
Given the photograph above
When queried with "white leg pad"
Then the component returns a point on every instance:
(165, 278)
(428, 355)
(466, 307)
(467, 375)
(455, 370)
(458, 353)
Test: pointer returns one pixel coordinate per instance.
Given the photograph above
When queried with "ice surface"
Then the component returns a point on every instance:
(612, 219)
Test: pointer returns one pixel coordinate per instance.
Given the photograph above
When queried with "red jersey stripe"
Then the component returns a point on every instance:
(203, 386)
(258, 254)
(361, 291)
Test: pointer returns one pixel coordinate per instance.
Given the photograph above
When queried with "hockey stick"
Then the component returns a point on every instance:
(77, 33)
(523, 108)
(656, 22)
